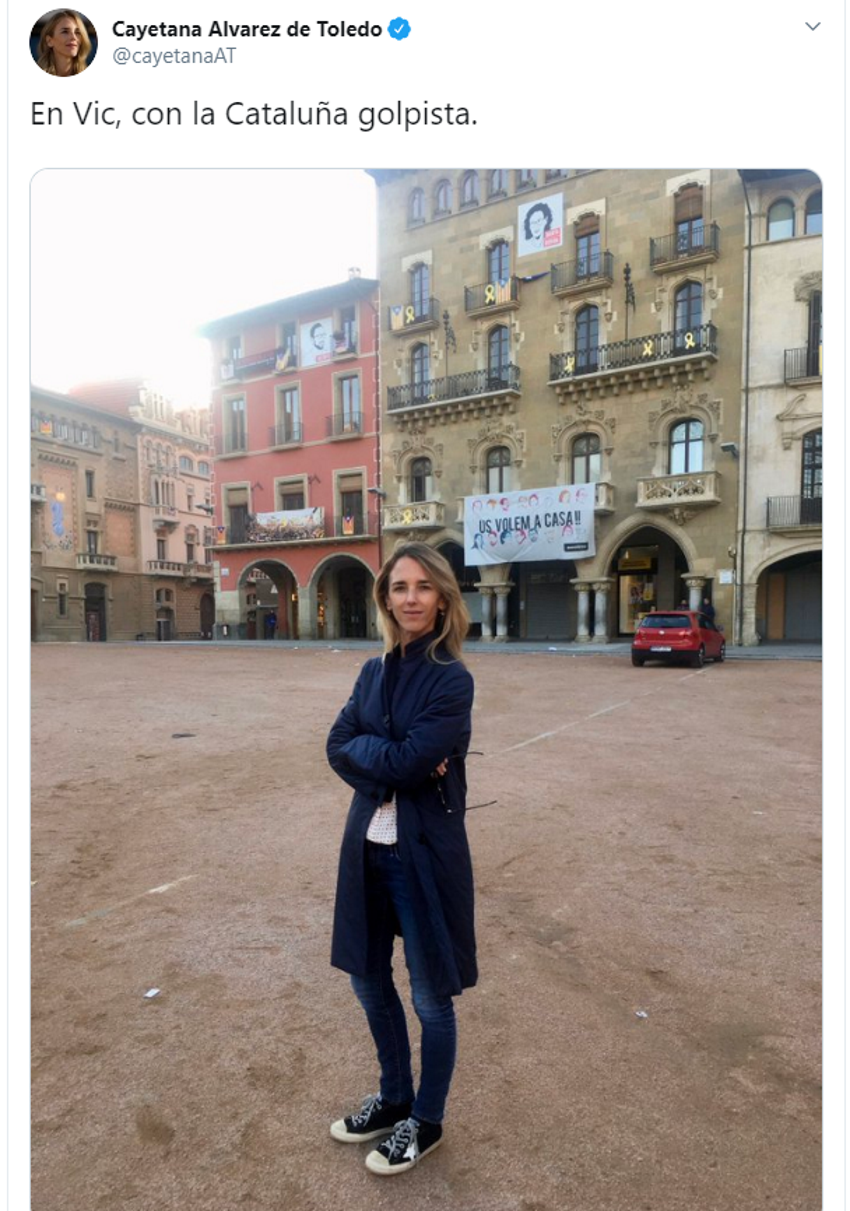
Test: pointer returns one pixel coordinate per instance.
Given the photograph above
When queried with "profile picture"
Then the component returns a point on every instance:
(540, 225)
(63, 42)
(317, 342)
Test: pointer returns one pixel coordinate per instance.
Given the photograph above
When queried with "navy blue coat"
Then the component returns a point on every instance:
(376, 755)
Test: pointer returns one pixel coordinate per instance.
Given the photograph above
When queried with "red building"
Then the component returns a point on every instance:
(297, 472)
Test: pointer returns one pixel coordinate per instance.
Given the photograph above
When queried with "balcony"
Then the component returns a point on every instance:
(165, 515)
(696, 246)
(458, 393)
(290, 433)
(198, 571)
(422, 515)
(642, 361)
(413, 317)
(345, 345)
(492, 297)
(604, 499)
(270, 361)
(165, 567)
(356, 526)
(38, 494)
(587, 273)
(788, 514)
(804, 365)
(695, 489)
(344, 424)
(230, 443)
(87, 561)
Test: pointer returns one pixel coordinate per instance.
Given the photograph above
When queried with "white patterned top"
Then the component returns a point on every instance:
(383, 825)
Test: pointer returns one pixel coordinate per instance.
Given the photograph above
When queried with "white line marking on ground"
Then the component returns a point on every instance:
(97, 913)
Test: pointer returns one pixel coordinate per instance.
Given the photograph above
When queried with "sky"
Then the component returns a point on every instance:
(126, 264)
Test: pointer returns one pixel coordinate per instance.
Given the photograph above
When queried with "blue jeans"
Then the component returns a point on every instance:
(387, 890)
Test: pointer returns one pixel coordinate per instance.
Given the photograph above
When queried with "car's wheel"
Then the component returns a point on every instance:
(698, 658)
(721, 655)
(637, 661)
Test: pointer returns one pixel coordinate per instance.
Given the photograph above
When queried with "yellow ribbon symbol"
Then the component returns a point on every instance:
(648, 349)
(409, 315)
(570, 364)
(690, 342)
(489, 293)
(408, 517)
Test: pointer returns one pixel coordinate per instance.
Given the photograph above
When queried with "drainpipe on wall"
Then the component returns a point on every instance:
(745, 433)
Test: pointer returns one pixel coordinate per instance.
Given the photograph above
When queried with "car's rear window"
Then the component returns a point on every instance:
(667, 620)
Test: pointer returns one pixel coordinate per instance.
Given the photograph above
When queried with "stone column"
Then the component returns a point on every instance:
(600, 622)
(307, 605)
(486, 592)
(502, 592)
(582, 587)
(695, 586)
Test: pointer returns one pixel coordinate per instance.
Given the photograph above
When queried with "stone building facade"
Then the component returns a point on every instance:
(549, 327)
(780, 537)
(297, 475)
(121, 509)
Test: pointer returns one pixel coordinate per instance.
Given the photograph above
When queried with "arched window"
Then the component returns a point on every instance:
(499, 261)
(587, 340)
(203, 468)
(186, 463)
(687, 441)
(587, 459)
(498, 183)
(526, 178)
(814, 214)
(420, 370)
(780, 220)
(499, 469)
(498, 356)
(688, 314)
(420, 290)
(443, 198)
(416, 207)
(469, 192)
(421, 481)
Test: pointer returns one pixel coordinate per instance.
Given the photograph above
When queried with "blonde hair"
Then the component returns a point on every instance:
(452, 619)
(45, 53)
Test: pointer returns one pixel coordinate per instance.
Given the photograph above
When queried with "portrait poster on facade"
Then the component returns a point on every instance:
(529, 526)
(317, 342)
(540, 225)
(286, 526)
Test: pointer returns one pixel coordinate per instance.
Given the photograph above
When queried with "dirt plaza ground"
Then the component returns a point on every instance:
(645, 1034)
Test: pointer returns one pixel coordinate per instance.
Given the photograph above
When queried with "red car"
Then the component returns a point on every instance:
(674, 635)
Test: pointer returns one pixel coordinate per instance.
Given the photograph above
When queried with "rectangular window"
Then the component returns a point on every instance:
(92, 541)
(345, 336)
(351, 504)
(235, 426)
(161, 549)
(190, 552)
(289, 345)
(288, 427)
(349, 404)
(62, 597)
(291, 499)
(90, 484)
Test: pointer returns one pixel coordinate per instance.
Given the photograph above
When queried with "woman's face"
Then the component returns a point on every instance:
(413, 600)
(65, 39)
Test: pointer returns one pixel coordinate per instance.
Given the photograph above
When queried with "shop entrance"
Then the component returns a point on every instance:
(96, 613)
(648, 569)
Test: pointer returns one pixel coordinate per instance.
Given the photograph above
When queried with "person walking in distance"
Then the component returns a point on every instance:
(405, 866)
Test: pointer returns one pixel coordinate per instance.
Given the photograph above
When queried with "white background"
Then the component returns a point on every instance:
(614, 85)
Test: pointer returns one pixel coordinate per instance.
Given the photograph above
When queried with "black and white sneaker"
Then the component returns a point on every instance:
(374, 1118)
(410, 1141)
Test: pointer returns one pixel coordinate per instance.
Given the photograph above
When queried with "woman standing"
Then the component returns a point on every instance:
(405, 868)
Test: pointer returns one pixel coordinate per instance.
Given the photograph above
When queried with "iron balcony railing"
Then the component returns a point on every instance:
(408, 315)
(803, 363)
(353, 525)
(456, 386)
(491, 294)
(343, 424)
(640, 350)
(788, 512)
(287, 434)
(585, 269)
(682, 245)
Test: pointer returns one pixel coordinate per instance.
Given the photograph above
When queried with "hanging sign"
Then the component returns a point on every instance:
(529, 526)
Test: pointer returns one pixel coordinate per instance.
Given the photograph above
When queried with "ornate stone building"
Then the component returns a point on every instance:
(780, 536)
(551, 327)
(122, 528)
